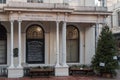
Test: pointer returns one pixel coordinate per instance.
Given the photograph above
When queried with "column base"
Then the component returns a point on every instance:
(61, 71)
(15, 72)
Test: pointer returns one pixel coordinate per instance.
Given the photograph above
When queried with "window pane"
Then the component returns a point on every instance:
(4, 1)
(2, 52)
(0, 1)
(118, 18)
(72, 44)
(3, 45)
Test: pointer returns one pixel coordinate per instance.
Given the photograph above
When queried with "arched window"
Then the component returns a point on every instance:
(35, 44)
(3, 45)
(72, 44)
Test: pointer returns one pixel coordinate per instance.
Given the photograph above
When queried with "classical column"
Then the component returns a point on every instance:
(11, 65)
(82, 44)
(64, 44)
(19, 44)
(57, 44)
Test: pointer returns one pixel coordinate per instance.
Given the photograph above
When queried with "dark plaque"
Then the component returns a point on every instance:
(35, 51)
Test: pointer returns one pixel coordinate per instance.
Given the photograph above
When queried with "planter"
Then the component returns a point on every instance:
(107, 75)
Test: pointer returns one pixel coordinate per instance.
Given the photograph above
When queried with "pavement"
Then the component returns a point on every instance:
(116, 78)
(66, 78)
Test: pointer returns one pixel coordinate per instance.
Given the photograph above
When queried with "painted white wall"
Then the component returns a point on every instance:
(71, 2)
(115, 19)
(111, 2)
(89, 43)
(90, 3)
(17, 0)
(56, 1)
(82, 44)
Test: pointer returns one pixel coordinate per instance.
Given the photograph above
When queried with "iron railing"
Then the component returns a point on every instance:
(3, 72)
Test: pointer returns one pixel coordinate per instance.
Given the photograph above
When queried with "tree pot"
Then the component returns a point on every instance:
(107, 75)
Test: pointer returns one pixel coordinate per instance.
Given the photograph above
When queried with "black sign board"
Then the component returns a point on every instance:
(35, 51)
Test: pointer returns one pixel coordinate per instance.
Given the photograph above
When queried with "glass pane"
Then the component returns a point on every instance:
(40, 1)
(3, 46)
(2, 51)
(0, 1)
(4, 1)
(72, 32)
(72, 51)
(35, 32)
(72, 44)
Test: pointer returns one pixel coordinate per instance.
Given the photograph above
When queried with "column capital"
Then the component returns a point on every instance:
(57, 21)
(64, 21)
(19, 20)
(12, 20)
(65, 17)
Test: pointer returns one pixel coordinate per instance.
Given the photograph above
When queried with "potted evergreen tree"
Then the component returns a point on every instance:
(105, 61)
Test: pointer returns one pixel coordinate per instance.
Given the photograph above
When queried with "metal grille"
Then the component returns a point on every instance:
(26, 71)
(3, 72)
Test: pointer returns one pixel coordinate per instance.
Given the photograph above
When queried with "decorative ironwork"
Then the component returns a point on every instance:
(3, 71)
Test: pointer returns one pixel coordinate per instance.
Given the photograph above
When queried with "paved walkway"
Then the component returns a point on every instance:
(66, 78)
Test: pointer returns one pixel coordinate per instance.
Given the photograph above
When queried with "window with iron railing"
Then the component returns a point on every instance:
(35, 1)
(2, 1)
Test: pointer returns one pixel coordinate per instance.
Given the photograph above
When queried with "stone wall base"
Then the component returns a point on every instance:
(61, 71)
(15, 72)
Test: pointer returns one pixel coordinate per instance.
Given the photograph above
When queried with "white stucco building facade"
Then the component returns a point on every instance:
(114, 20)
(55, 33)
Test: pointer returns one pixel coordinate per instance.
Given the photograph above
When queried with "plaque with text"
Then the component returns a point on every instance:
(35, 51)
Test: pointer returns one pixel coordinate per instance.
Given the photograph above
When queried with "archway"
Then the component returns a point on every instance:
(35, 44)
(72, 44)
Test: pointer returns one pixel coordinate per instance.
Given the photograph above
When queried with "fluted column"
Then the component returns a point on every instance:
(64, 44)
(11, 50)
(19, 44)
(57, 44)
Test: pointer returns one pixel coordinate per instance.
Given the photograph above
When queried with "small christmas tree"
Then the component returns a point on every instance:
(105, 59)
